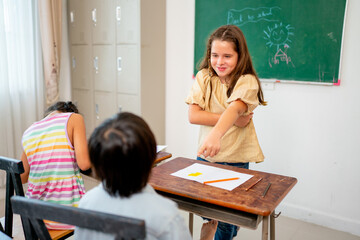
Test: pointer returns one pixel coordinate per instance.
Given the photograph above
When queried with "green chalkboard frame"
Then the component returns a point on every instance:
(296, 41)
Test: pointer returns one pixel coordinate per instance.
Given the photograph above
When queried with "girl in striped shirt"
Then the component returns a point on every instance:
(55, 149)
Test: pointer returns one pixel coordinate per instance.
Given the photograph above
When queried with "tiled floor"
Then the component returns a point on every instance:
(286, 228)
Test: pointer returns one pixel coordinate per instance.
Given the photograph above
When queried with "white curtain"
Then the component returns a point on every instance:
(21, 73)
(50, 13)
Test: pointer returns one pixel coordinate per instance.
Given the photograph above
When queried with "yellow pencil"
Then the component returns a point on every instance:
(221, 180)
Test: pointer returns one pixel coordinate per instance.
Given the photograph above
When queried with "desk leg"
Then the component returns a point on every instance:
(191, 223)
(272, 226)
(265, 228)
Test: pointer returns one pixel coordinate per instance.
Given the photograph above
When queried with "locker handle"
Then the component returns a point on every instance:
(71, 16)
(93, 14)
(73, 62)
(119, 64)
(96, 64)
(120, 108)
(118, 13)
(97, 111)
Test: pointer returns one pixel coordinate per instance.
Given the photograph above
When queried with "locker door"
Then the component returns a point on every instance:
(79, 21)
(129, 103)
(104, 68)
(103, 24)
(83, 100)
(105, 106)
(127, 21)
(80, 66)
(128, 69)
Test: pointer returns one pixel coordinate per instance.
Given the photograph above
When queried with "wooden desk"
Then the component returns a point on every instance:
(239, 207)
(161, 156)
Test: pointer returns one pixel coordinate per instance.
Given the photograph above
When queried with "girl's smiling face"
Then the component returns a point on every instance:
(223, 58)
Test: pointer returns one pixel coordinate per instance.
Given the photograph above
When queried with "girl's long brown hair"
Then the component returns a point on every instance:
(233, 34)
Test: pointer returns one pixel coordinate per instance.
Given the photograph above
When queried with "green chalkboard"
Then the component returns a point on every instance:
(296, 40)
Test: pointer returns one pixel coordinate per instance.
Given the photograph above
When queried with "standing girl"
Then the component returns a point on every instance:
(224, 95)
(54, 150)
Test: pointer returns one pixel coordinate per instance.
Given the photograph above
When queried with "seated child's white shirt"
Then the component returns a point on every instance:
(161, 215)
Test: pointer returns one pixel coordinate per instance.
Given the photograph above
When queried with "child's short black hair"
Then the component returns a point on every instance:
(122, 151)
(62, 107)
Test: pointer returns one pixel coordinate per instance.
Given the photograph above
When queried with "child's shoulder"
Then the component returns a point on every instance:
(203, 78)
(203, 73)
(247, 77)
(156, 201)
(76, 118)
(248, 80)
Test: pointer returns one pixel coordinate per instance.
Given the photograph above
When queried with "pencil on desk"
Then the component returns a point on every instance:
(221, 180)
(266, 190)
(247, 189)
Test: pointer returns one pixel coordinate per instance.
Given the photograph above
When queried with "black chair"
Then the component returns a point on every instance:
(13, 170)
(36, 210)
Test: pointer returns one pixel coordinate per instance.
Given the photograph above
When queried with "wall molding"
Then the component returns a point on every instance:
(320, 218)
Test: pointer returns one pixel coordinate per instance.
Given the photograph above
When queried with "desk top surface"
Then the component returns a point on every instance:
(250, 201)
(161, 156)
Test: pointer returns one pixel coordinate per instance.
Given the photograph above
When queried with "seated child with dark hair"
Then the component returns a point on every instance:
(122, 152)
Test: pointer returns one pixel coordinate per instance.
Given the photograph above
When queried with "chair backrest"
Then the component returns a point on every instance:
(13, 168)
(36, 210)
(3, 236)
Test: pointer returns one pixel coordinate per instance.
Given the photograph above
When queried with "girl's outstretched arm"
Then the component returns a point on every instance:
(243, 120)
(76, 123)
(211, 145)
(201, 117)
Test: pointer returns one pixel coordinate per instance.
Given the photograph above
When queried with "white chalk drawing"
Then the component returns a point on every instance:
(252, 15)
(278, 35)
(326, 74)
(332, 37)
(281, 56)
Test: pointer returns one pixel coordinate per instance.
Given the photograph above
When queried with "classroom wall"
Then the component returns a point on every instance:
(310, 132)
(153, 72)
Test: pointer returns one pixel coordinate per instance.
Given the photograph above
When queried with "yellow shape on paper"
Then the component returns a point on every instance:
(195, 174)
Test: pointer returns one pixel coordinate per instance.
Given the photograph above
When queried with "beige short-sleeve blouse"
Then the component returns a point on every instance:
(238, 144)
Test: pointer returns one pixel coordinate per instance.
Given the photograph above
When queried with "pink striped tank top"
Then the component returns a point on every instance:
(54, 174)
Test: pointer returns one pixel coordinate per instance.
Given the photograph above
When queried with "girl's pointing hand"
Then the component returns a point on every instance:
(211, 146)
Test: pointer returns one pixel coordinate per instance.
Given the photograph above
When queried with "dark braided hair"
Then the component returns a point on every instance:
(62, 107)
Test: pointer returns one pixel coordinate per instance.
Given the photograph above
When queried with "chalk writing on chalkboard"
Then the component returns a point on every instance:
(246, 15)
(297, 40)
(277, 34)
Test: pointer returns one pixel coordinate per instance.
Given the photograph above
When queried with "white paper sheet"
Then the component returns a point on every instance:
(160, 148)
(202, 173)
